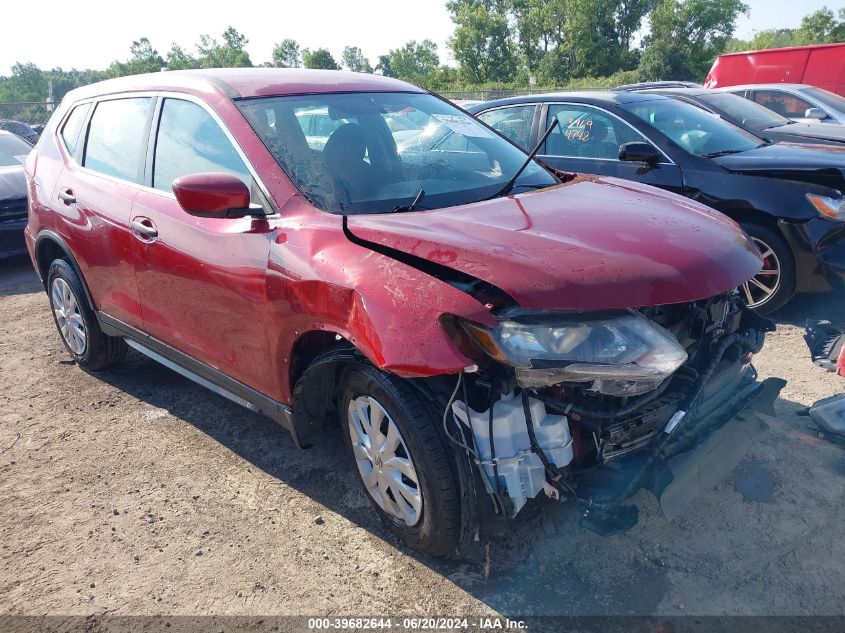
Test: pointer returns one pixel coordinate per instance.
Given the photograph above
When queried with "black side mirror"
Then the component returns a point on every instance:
(639, 152)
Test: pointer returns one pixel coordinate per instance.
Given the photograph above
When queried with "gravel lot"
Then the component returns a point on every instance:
(134, 491)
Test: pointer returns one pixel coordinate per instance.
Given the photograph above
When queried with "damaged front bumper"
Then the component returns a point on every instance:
(708, 448)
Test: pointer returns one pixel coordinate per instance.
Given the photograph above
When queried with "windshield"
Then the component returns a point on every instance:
(697, 131)
(13, 150)
(825, 97)
(744, 111)
(373, 152)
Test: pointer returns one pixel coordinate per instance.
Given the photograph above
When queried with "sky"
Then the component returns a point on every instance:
(93, 33)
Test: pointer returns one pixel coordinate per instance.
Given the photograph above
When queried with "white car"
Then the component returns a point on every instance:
(799, 102)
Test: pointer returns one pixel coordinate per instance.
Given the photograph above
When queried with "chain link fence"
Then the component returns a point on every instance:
(32, 113)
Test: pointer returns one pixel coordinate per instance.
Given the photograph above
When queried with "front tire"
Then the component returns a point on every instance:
(774, 285)
(76, 322)
(401, 459)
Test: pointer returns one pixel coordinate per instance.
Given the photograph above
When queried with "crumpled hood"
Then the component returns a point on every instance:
(593, 243)
(12, 182)
(819, 164)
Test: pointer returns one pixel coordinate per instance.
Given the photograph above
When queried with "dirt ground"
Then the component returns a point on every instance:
(134, 491)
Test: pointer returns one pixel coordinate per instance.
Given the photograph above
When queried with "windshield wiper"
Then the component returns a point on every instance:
(512, 181)
(414, 205)
(723, 152)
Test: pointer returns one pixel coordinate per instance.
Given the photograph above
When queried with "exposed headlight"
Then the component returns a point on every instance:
(622, 354)
(831, 208)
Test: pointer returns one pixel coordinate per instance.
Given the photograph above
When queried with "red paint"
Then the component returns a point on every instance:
(239, 293)
(211, 194)
(822, 66)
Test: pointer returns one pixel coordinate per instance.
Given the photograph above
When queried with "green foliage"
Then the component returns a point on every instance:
(144, 59)
(179, 59)
(320, 58)
(286, 54)
(416, 62)
(231, 53)
(383, 66)
(482, 44)
(686, 35)
(354, 60)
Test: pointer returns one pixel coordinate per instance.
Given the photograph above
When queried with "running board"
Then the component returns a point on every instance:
(200, 373)
(220, 391)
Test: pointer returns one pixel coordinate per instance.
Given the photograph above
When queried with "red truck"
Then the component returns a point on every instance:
(822, 66)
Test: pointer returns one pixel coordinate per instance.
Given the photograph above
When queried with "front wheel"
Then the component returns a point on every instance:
(774, 285)
(401, 459)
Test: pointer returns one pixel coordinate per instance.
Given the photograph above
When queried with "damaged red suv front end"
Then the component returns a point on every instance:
(326, 247)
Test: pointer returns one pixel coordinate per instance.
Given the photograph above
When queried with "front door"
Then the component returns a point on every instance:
(202, 281)
(587, 140)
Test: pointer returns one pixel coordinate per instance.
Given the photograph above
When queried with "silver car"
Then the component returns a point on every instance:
(799, 102)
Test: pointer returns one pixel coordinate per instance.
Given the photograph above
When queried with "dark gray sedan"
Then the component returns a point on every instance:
(13, 213)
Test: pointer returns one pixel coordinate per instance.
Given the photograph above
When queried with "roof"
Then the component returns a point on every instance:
(247, 82)
(770, 85)
(588, 96)
(764, 51)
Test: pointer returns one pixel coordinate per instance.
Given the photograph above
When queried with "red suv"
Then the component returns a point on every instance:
(483, 329)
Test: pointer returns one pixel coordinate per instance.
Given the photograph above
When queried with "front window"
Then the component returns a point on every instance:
(374, 152)
(785, 104)
(586, 132)
(747, 113)
(13, 150)
(826, 97)
(697, 131)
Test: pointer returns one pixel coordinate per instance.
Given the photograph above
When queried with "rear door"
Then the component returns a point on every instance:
(202, 281)
(94, 196)
(587, 140)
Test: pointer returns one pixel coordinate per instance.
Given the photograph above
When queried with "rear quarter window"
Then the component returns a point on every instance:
(116, 137)
(73, 126)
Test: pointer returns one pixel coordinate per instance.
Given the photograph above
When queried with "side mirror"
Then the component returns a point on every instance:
(212, 195)
(639, 152)
(815, 113)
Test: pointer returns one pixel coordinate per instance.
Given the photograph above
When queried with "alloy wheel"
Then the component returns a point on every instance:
(763, 286)
(68, 316)
(384, 461)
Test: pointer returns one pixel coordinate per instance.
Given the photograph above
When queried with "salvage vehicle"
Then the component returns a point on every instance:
(787, 197)
(798, 102)
(483, 330)
(755, 118)
(13, 152)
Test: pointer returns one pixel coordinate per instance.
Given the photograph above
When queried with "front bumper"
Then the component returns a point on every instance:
(709, 444)
(12, 238)
(819, 249)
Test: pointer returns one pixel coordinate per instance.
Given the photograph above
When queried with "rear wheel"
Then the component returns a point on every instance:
(401, 459)
(774, 285)
(76, 322)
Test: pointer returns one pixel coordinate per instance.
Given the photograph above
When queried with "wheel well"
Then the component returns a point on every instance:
(317, 360)
(46, 251)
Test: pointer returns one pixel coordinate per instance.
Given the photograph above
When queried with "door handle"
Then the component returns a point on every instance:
(66, 196)
(144, 227)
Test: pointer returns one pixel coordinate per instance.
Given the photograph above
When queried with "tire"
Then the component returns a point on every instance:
(777, 256)
(92, 350)
(435, 528)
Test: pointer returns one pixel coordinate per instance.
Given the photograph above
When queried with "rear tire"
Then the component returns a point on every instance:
(76, 322)
(774, 285)
(434, 527)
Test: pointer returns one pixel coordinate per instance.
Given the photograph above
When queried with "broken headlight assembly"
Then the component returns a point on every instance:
(617, 354)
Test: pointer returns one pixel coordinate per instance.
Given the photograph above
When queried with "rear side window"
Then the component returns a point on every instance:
(116, 137)
(191, 142)
(514, 122)
(73, 126)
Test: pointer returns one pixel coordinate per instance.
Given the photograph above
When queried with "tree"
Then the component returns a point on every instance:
(179, 59)
(231, 53)
(481, 43)
(686, 35)
(383, 66)
(822, 27)
(286, 54)
(355, 61)
(143, 59)
(415, 62)
(320, 58)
